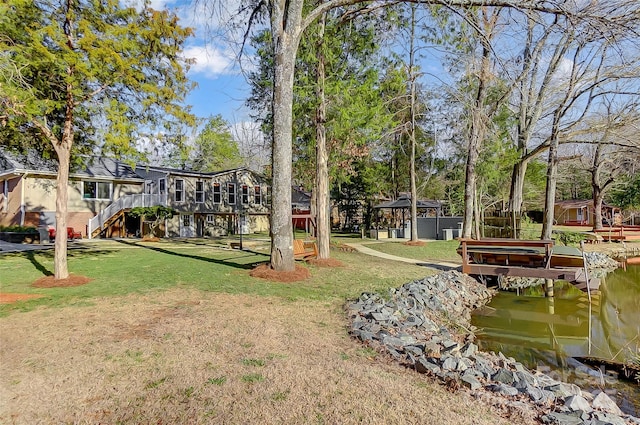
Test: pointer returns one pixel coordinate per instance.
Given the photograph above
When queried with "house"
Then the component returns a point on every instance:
(210, 204)
(28, 190)
(103, 191)
(580, 212)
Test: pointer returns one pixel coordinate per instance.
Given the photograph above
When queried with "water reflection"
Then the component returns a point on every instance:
(541, 331)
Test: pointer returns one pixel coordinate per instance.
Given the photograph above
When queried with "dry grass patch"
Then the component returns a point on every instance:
(185, 356)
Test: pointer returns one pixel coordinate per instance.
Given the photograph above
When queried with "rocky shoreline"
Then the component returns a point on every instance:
(425, 325)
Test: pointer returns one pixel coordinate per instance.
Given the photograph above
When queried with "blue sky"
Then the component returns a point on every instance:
(221, 88)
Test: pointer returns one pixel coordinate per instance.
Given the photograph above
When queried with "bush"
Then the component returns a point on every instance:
(19, 229)
(570, 238)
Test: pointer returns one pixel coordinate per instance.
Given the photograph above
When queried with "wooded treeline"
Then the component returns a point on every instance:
(506, 104)
(527, 104)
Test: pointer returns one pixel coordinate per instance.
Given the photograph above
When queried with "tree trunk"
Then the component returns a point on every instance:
(61, 270)
(412, 135)
(598, 199)
(322, 168)
(281, 230)
(516, 198)
(469, 188)
(550, 191)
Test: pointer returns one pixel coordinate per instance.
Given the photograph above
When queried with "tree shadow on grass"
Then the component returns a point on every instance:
(38, 265)
(225, 262)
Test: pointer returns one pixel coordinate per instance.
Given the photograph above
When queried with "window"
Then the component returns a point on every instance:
(211, 219)
(231, 190)
(245, 194)
(162, 186)
(199, 192)
(217, 193)
(96, 190)
(257, 195)
(179, 193)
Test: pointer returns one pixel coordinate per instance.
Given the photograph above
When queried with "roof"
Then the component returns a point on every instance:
(405, 202)
(191, 173)
(578, 203)
(300, 198)
(95, 167)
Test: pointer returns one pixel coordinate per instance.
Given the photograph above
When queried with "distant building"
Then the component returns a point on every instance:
(104, 190)
(580, 212)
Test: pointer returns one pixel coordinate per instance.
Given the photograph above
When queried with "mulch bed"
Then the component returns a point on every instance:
(414, 243)
(264, 271)
(325, 262)
(52, 282)
(6, 298)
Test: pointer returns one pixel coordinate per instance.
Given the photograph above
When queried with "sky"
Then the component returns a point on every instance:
(221, 87)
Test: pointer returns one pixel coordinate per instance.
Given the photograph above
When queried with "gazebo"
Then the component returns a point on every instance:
(403, 203)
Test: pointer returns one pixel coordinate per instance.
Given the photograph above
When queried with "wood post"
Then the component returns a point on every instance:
(548, 288)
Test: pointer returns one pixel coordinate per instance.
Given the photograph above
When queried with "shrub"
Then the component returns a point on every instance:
(19, 229)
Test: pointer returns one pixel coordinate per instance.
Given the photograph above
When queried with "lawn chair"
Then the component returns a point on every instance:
(72, 234)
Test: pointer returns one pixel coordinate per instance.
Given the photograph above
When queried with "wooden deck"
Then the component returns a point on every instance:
(523, 258)
(619, 234)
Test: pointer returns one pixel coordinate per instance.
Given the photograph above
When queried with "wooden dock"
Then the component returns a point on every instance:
(619, 233)
(524, 258)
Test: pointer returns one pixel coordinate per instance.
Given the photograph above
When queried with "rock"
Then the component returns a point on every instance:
(503, 389)
(576, 402)
(469, 349)
(471, 382)
(423, 365)
(409, 324)
(608, 418)
(449, 363)
(504, 376)
(603, 402)
(562, 389)
(555, 418)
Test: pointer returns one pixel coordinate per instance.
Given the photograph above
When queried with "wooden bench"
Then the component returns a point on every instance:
(304, 249)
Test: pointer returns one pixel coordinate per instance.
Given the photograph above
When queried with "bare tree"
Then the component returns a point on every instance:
(287, 24)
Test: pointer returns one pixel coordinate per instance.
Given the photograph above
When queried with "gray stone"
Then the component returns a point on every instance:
(415, 350)
(425, 366)
(469, 349)
(484, 366)
(363, 335)
(576, 402)
(562, 389)
(464, 364)
(608, 418)
(603, 402)
(503, 389)
(450, 346)
(449, 363)
(471, 382)
(555, 418)
(526, 376)
(504, 376)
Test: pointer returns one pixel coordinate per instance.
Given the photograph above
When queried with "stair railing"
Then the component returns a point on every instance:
(122, 203)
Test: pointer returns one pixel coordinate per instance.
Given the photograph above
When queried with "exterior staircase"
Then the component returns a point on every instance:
(116, 209)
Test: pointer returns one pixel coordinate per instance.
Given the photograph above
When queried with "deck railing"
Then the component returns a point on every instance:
(122, 203)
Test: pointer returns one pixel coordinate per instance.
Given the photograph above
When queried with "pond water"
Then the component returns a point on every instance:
(545, 334)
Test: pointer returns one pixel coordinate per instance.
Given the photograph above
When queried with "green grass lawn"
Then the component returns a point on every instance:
(431, 250)
(120, 268)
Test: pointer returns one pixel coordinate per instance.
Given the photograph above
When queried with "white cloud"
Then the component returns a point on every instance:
(210, 61)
